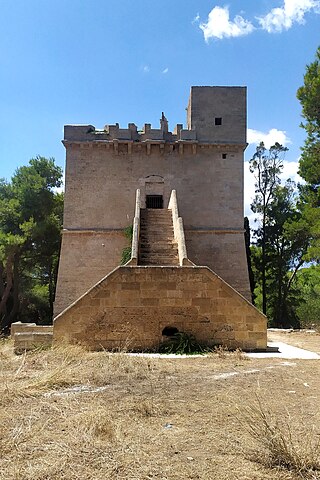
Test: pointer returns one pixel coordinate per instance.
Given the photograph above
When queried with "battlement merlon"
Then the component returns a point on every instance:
(215, 115)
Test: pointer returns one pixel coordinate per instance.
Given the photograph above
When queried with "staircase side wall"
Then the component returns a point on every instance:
(131, 307)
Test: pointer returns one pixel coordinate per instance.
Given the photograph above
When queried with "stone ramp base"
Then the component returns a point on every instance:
(28, 336)
(130, 308)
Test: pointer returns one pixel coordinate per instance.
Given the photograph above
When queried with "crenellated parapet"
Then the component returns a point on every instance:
(88, 133)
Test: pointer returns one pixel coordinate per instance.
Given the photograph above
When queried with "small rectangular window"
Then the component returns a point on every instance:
(218, 121)
(224, 156)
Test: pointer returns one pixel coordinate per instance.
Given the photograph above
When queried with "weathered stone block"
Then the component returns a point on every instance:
(30, 340)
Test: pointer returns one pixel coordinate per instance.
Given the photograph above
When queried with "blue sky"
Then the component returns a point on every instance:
(121, 61)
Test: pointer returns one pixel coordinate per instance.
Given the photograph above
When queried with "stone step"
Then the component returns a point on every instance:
(155, 240)
(155, 219)
(156, 233)
(159, 211)
(157, 257)
(158, 245)
(162, 242)
(160, 232)
(156, 228)
(156, 213)
(161, 236)
(165, 248)
(162, 263)
(158, 254)
(149, 231)
(156, 223)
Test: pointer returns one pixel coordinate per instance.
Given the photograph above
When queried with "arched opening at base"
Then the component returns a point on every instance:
(169, 331)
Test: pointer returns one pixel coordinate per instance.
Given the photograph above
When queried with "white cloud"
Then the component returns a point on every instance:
(290, 170)
(269, 138)
(166, 70)
(196, 19)
(292, 11)
(61, 189)
(281, 18)
(219, 25)
(146, 69)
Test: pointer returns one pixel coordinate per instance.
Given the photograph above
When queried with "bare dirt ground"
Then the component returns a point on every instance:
(306, 339)
(220, 417)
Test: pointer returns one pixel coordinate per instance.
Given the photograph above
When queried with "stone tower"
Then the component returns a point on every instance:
(203, 163)
(188, 269)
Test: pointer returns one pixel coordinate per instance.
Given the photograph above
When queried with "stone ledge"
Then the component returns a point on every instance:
(27, 336)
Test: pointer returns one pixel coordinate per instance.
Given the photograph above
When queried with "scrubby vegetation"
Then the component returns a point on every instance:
(71, 414)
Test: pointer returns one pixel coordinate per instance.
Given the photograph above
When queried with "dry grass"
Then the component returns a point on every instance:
(142, 418)
(275, 442)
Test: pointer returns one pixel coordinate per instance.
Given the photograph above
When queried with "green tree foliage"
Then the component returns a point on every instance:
(288, 239)
(266, 165)
(309, 164)
(309, 96)
(30, 224)
(309, 288)
(282, 238)
(289, 231)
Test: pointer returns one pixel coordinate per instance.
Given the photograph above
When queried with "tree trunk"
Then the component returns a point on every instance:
(1, 279)
(6, 293)
(263, 267)
(15, 293)
(51, 288)
(279, 312)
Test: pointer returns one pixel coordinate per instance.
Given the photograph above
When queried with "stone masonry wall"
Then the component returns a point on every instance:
(101, 184)
(132, 305)
(100, 200)
(224, 253)
(229, 104)
(86, 257)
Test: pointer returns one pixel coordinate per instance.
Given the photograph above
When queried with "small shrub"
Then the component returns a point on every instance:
(182, 343)
(126, 252)
(221, 351)
(125, 255)
(128, 232)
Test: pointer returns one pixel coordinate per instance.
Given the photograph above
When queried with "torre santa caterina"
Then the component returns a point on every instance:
(182, 192)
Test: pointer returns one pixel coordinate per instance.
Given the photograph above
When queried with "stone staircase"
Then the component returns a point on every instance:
(157, 244)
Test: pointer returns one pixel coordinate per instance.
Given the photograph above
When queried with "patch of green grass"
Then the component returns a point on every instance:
(126, 252)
